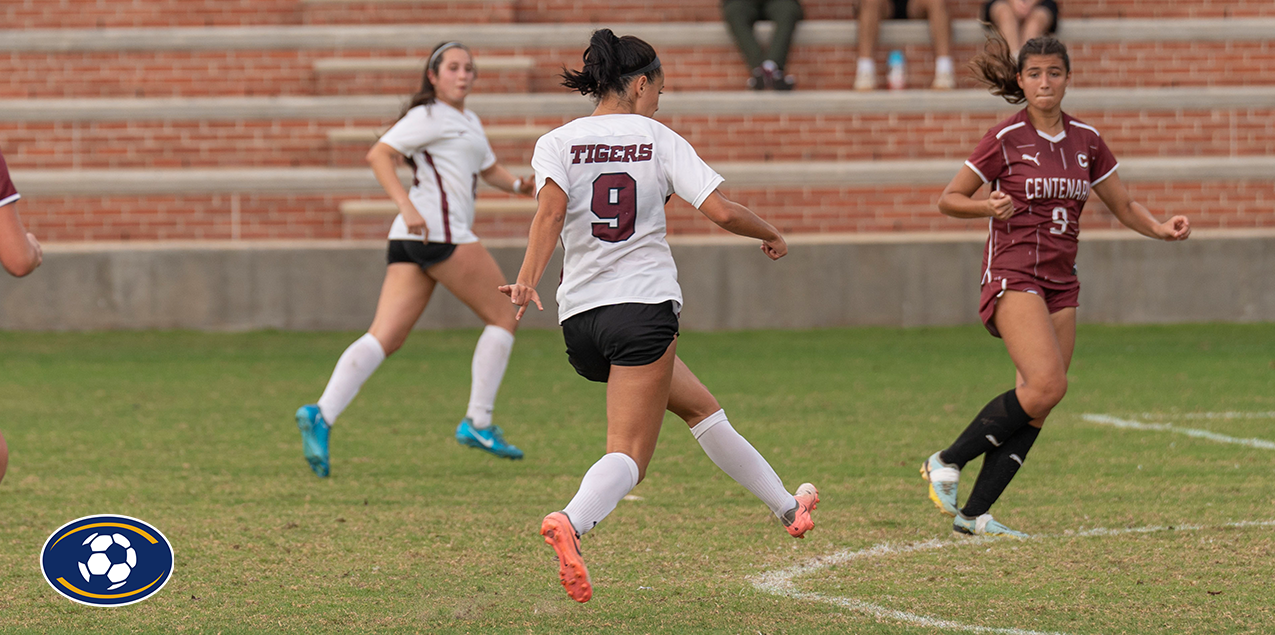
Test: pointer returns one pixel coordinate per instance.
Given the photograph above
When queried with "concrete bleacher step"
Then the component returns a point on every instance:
(34, 14)
(294, 60)
(844, 125)
(799, 197)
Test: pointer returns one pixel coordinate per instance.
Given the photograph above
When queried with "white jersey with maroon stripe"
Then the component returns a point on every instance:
(448, 149)
(618, 172)
(8, 193)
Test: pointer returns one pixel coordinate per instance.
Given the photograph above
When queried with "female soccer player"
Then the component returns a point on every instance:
(602, 182)
(20, 254)
(431, 242)
(1041, 164)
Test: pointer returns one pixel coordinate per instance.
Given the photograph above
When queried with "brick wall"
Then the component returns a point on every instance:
(205, 73)
(29, 14)
(1239, 204)
(282, 143)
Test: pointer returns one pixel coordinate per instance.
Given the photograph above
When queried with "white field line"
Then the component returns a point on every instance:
(1211, 415)
(1168, 427)
(781, 582)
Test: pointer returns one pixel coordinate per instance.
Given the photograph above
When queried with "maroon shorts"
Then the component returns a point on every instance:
(1056, 297)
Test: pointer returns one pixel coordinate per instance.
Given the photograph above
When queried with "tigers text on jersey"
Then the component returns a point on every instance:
(8, 193)
(1048, 179)
(447, 150)
(618, 171)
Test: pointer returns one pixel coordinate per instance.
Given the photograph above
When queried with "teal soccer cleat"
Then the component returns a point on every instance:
(943, 479)
(984, 525)
(314, 438)
(491, 439)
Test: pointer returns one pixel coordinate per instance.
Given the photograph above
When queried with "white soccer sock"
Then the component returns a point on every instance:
(943, 64)
(742, 462)
(356, 364)
(491, 357)
(613, 476)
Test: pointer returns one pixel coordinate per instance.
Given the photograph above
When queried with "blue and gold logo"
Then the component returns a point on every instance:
(107, 560)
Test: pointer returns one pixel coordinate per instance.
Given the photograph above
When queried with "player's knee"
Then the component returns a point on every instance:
(1053, 389)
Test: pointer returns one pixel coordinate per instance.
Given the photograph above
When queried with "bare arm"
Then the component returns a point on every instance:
(740, 220)
(500, 178)
(382, 158)
(546, 227)
(20, 252)
(956, 202)
(1137, 217)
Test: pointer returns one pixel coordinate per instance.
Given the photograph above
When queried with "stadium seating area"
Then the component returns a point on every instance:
(248, 119)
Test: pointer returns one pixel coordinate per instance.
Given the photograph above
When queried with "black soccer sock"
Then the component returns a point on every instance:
(998, 421)
(999, 467)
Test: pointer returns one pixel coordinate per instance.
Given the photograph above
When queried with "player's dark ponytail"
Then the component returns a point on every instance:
(610, 63)
(425, 95)
(996, 67)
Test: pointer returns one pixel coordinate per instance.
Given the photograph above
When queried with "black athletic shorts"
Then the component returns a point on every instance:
(986, 14)
(621, 334)
(422, 254)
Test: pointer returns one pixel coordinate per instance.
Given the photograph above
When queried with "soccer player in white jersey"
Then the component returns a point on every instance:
(1042, 165)
(20, 254)
(431, 242)
(602, 182)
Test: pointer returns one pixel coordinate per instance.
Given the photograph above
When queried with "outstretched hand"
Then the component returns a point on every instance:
(1176, 228)
(521, 295)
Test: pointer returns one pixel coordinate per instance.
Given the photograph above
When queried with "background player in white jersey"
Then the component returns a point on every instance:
(602, 182)
(1042, 164)
(431, 242)
(20, 254)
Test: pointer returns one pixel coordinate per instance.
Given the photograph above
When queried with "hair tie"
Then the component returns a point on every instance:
(655, 63)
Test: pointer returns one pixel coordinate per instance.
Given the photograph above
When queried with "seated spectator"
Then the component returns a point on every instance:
(871, 12)
(767, 66)
(1021, 20)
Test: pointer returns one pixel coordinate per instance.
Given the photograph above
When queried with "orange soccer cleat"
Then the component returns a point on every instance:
(807, 499)
(559, 534)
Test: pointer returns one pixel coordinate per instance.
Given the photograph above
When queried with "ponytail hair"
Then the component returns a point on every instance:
(425, 95)
(996, 67)
(610, 63)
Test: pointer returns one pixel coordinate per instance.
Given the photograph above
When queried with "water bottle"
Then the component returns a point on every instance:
(896, 76)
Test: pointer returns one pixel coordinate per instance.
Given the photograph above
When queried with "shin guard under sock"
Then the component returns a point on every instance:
(999, 467)
(995, 424)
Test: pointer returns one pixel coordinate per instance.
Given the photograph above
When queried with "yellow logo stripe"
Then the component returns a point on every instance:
(110, 597)
(121, 525)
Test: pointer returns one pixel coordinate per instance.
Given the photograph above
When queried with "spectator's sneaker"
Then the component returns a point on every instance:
(314, 438)
(797, 521)
(984, 525)
(785, 82)
(865, 82)
(943, 479)
(491, 439)
(944, 80)
(559, 534)
(757, 81)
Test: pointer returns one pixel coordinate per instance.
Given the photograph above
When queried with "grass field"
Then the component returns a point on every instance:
(193, 433)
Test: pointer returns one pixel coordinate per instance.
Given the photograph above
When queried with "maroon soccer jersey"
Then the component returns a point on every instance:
(8, 193)
(1048, 179)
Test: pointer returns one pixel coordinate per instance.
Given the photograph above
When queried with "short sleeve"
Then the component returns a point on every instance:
(547, 163)
(414, 131)
(8, 192)
(691, 178)
(489, 159)
(1102, 163)
(988, 159)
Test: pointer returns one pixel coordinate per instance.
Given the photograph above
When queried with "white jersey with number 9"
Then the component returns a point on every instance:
(617, 172)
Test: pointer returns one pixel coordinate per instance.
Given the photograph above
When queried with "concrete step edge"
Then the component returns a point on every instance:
(928, 172)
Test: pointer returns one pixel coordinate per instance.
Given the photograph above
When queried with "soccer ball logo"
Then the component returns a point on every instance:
(112, 557)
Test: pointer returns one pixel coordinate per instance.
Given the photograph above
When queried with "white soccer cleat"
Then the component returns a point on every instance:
(943, 479)
(984, 525)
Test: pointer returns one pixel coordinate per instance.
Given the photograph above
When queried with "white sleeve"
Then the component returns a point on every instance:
(490, 158)
(691, 177)
(414, 131)
(547, 161)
